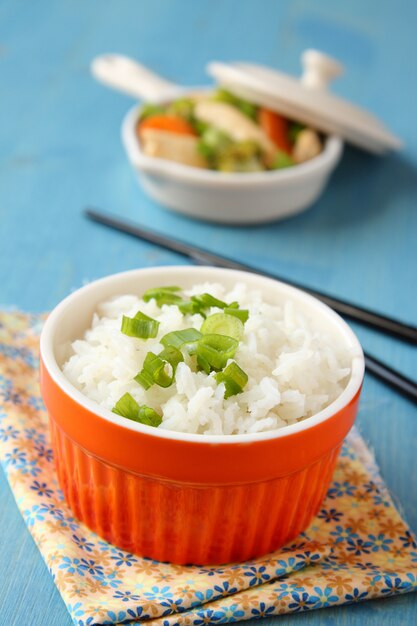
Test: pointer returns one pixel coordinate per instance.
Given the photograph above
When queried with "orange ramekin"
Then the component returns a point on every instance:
(185, 498)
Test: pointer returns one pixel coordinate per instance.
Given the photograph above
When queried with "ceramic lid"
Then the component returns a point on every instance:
(307, 99)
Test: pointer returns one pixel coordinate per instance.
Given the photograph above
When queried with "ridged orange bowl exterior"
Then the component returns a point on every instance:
(179, 497)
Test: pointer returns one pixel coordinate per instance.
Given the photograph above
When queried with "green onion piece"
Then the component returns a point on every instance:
(188, 307)
(242, 314)
(126, 407)
(205, 301)
(203, 364)
(129, 408)
(140, 326)
(223, 324)
(171, 355)
(163, 295)
(144, 378)
(154, 368)
(234, 379)
(216, 350)
(198, 304)
(148, 416)
(178, 338)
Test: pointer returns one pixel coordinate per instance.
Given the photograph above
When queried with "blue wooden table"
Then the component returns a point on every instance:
(60, 150)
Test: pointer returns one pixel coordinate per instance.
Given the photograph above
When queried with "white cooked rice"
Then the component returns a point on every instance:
(294, 368)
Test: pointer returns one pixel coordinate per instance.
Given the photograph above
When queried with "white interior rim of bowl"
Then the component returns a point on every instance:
(351, 389)
(326, 160)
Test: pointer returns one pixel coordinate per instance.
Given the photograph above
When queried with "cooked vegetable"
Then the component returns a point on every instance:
(183, 107)
(213, 143)
(249, 109)
(226, 133)
(174, 147)
(149, 110)
(282, 159)
(226, 155)
(307, 146)
(276, 127)
(231, 121)
(294, 130)
(167, 123)
(244, 156)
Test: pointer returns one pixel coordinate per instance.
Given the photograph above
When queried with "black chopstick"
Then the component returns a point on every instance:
(389, 376)
(360, 314)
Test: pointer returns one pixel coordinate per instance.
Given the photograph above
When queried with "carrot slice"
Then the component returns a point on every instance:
(168, 123)
(276, 127)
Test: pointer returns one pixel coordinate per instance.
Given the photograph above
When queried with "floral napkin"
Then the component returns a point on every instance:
(357, 548)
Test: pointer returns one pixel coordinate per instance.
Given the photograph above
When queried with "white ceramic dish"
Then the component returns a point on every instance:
(213, 196)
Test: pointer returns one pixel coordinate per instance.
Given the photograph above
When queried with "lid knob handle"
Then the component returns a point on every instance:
(319, 69)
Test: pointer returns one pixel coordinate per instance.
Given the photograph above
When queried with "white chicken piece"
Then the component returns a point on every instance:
(238, 126)
(307, 146)
(171, 146)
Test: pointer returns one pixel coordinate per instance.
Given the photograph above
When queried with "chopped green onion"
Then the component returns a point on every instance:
(126, 407)
(145, 378)
(163, 295)
(234, 379)
(178, 338)
(140, 326)
(171, 355)
(216, 350)
(129, 408)
(206, 300)
(199, 303)
(148, 416)
(189, 307)
(223, 324)
(242, 314)
(203, 364)
(154, 368)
